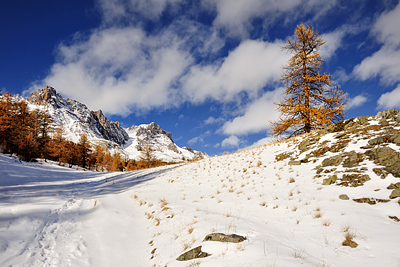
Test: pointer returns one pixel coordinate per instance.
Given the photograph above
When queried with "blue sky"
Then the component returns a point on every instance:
(208, 71)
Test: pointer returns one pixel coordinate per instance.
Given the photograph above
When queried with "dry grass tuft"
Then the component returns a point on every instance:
(317, 214)
(326, 223)
(190, 230)
(194, 263)
(186, 245)
(298, 254)
(323, 264)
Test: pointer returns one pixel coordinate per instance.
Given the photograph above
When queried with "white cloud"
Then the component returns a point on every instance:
(236, 16)
(357, 101)
(341, 76)
(195, 140)
(386, 27)
(257, 115)
(390, 100)
(231, 141)
(117, 10)
(212, 120)
(248, 68)
(334, 40)
(384, 62)
(120, 70)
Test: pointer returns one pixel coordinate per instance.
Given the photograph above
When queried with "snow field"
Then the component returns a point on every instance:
(288, 217)
(52, 216)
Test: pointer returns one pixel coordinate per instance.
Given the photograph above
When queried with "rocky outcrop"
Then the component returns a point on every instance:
(75, 117)
(344, 148)
(44, 96)
(109, 130)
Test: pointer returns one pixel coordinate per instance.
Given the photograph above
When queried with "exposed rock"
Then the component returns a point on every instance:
(294, 162)
(304, 145)
(332, 161)
(350, 243)
(282, 156)
(43, 96)
(386, 156)
(88, 122)
(109, 130)
(370, 201)
(224, 238)
(331, 180)
(353, 159)
(395, 138)
(344, 197)
(382, 173)
(394, 186)
(339, 126)
(195, 253)
(379, 140)
(395, 193)
(354, 180)
(388, 114)
(394, 218)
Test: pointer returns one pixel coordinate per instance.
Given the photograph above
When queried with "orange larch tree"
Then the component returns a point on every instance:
(312, 100)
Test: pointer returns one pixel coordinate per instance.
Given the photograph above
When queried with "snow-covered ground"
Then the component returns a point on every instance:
(55, 216)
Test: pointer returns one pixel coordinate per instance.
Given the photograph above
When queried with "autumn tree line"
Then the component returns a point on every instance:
(31, 134)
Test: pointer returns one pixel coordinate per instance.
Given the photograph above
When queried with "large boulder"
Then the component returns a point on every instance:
(386, 156)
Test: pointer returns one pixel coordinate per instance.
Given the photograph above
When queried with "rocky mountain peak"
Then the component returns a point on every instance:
(43, 96)
(100, 116)
(76, 119)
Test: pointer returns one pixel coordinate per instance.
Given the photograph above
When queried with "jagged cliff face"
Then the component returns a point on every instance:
(76, 119)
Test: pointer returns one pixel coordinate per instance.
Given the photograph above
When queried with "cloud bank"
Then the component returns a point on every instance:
(126, 66)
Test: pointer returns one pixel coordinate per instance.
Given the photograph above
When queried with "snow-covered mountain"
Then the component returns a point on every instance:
(161, 142)
(76, 119)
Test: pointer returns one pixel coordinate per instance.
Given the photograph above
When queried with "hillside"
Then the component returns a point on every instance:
(294, 203)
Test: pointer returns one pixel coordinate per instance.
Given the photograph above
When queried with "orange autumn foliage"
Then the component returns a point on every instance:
(312, 100)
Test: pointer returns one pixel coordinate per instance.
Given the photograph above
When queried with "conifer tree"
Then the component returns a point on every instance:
(117, 164)
(312, 100)
(55, 146)
(107, 160)
(5, 121)
(84, 150)
(147, 154)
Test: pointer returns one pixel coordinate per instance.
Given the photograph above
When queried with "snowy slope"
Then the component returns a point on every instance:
(51, 216)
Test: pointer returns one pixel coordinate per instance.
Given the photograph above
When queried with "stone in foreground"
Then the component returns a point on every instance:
(195, 253)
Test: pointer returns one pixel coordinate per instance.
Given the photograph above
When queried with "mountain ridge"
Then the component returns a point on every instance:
(76, 118)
